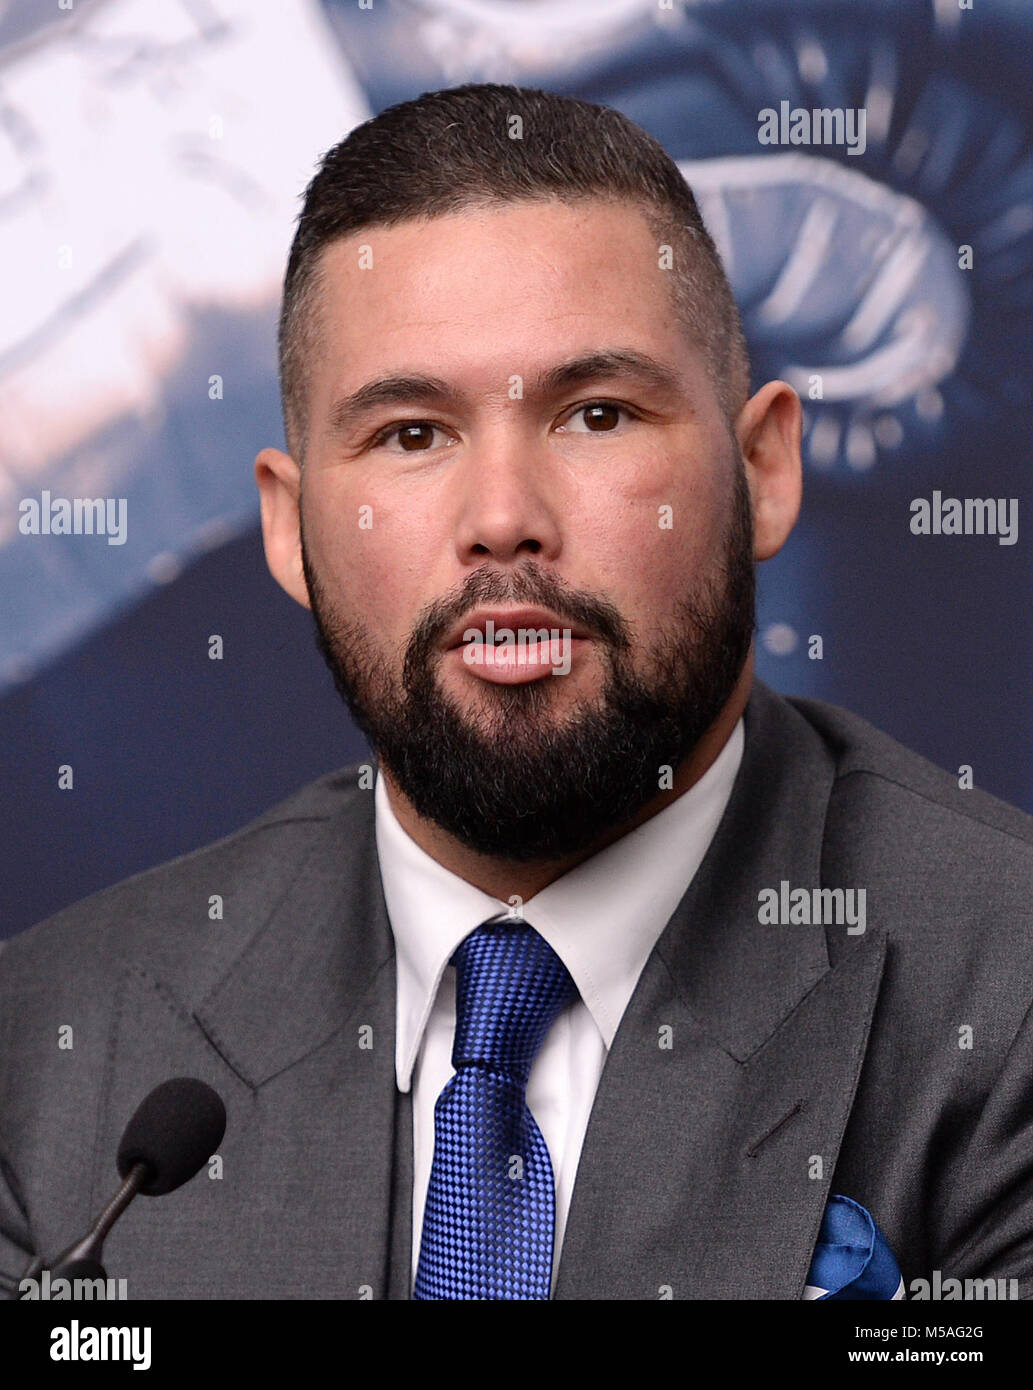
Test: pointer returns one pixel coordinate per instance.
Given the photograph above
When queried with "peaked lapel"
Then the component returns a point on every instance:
(298, 1036)
(717, 1123)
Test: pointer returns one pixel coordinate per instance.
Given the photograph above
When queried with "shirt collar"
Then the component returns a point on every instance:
(602, 918)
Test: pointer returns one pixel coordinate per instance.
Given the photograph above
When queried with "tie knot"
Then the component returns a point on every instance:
(510, 987)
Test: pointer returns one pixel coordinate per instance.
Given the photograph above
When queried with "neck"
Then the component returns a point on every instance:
(506, 878)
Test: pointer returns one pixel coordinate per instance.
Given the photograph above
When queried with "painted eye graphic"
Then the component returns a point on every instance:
(849, 290)
(888, 284)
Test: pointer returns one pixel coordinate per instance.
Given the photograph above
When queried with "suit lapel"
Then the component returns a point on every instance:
(716, 1127)
(320, 952)
(298, 1036)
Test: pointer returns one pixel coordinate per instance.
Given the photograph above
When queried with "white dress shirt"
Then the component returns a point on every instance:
(602, 919)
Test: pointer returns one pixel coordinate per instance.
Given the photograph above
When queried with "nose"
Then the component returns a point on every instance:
(508, 504)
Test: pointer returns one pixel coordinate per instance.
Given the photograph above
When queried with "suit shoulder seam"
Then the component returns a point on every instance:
(940, 805)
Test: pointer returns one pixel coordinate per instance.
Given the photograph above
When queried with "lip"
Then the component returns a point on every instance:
(533, 663)
(512, 618)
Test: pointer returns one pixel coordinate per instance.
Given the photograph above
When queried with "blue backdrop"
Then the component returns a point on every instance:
(151, 164)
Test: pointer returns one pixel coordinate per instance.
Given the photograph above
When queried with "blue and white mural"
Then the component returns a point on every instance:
(152, 158)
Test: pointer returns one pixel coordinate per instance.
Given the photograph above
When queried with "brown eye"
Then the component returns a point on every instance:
(601, 417)
(409, 437)
(598, 417)
(414, 437)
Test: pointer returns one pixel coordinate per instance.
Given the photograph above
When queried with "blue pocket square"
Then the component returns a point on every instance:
(852, 1258)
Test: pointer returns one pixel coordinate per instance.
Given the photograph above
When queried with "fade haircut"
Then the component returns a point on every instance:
(452, 150)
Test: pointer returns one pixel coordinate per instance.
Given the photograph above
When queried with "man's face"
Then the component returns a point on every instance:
(611, 497)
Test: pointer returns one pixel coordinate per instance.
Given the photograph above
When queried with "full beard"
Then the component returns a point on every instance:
(512, 780)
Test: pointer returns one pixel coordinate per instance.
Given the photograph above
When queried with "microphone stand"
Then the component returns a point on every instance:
(82, 1260)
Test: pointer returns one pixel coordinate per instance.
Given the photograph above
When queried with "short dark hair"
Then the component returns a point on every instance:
(449, 150)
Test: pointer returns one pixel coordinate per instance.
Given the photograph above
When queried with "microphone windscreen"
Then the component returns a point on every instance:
(175, 1130)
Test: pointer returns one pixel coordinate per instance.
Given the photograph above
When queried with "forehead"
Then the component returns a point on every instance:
(491, 292)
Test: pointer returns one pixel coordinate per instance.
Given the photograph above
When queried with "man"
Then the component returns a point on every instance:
(622, 969)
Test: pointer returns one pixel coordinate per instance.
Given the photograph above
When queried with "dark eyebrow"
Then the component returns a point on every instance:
(615, 362)
(388, 390)
(576, 371)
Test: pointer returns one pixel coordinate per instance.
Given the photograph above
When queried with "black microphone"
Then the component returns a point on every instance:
(173, 1132)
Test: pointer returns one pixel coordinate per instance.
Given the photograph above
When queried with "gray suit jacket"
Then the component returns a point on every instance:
(800, 1060)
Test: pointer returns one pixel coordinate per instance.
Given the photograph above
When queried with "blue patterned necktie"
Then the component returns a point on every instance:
(489, 1218)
